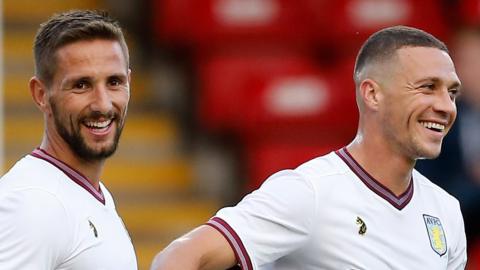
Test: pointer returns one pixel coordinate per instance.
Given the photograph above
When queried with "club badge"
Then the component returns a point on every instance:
(438, 242)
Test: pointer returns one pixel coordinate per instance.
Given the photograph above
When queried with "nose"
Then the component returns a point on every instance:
(445, 104)
(101, 100)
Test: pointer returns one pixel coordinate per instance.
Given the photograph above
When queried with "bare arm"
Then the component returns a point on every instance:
(204, 248)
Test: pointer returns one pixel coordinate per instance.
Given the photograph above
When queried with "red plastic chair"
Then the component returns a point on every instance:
(348, 23)
(256, 95)
(219, 22)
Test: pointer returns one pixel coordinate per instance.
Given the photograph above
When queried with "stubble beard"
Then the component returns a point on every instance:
(410, 146)
(77, 143)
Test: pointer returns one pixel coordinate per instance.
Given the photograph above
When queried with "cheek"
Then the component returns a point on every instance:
(121, 100)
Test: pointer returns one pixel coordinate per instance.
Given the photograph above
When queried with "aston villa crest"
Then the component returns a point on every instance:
(438, 242)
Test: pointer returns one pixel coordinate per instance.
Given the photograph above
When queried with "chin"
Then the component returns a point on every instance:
(104, 151)
(428, 154)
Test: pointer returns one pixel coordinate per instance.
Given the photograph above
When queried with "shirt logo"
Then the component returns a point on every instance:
(438, 242)
(363, 227)
(95, 233)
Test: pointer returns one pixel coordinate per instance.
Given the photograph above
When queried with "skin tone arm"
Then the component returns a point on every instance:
(204, 248)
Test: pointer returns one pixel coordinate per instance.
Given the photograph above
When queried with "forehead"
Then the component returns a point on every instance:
(93, 55)
(417, 62)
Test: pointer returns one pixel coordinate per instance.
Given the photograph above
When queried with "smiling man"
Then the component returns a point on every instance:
(54, 211)
(362, 206)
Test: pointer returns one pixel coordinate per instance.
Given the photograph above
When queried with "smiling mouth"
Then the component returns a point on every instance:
(98, 126)
(433, 126)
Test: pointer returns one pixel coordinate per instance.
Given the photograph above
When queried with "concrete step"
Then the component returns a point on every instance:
(153, 226)
(169, 218)
(36, 11)
(16, 92)
(137, 178)
(18, 43)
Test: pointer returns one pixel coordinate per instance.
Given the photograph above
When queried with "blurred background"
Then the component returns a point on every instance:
(226, 92)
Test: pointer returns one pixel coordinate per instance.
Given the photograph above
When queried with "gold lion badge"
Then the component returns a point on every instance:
(363, 227)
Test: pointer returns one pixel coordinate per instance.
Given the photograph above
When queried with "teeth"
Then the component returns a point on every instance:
(432, 125)
(99, 124)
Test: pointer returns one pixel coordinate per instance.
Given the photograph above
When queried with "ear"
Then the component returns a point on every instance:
(370, 94)
(38, 90)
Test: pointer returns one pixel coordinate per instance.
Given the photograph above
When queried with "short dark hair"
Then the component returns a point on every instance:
(68, 27)
(384, 43)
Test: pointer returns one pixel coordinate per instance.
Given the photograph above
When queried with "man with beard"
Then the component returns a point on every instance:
(54, 211)
(362, 206)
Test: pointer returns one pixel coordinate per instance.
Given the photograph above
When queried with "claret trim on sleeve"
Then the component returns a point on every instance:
(235, 242)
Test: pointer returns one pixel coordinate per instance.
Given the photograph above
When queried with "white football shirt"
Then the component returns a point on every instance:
(329, 213)
(51, 217)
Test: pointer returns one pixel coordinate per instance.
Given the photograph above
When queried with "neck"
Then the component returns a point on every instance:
(90, 169)
(387, 166)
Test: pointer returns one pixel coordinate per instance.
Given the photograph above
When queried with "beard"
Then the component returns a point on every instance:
(76, 141)
(406, 142)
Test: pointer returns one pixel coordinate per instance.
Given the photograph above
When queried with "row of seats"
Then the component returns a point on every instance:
(269, 93)
(302, 22)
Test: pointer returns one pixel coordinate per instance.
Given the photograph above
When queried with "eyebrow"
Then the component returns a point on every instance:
(118, 75)
(71, 80)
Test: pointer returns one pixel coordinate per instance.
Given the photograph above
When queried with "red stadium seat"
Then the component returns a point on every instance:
(469, 12)
(473, 254)
(270, 156)
(213, 22)
(350, 22)
(260, 94)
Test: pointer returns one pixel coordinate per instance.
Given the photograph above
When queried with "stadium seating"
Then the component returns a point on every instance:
(221, 22)
(469, 12)
(269, 93)
(347, 23)
(285, 107)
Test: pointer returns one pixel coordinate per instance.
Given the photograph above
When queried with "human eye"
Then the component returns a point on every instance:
(115, 81)
(453, 93)
(80, 85)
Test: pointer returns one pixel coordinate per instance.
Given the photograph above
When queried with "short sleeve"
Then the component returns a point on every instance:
(458, 257)
(271, 222)
(33, 232)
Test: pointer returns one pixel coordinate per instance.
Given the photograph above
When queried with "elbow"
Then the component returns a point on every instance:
(174, 257)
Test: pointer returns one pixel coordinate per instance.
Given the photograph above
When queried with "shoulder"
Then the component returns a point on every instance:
(295, 192)
(323, 166)
(30, 205)
(324, 174)
(310, 181)
(30, 192)
(31, 172)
